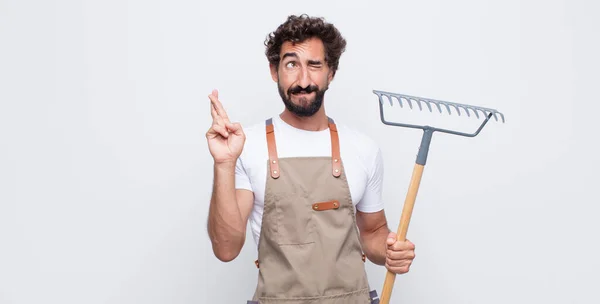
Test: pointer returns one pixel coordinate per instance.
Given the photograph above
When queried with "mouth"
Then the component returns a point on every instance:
(302, 94)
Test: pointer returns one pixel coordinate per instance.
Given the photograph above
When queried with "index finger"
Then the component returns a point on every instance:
(219, 107)
(213, 111)
(402, 246)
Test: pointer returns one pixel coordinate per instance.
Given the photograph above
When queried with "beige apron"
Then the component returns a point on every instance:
(309, 249)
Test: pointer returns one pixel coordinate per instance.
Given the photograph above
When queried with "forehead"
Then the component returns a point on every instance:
(311, 48)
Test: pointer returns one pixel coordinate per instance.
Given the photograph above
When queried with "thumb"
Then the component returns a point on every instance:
(391, 239)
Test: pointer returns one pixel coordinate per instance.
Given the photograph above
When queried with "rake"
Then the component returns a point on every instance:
(423, 152)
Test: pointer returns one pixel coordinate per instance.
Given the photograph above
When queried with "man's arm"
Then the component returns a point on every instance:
(373, 233)
(228, 213)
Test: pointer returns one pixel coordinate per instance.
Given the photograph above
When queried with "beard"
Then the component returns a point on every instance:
(306, 107)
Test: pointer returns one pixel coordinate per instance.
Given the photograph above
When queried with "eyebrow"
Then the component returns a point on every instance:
(289, 55)
(292, 54)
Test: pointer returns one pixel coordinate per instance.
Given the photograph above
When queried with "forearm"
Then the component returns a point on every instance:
(374, 244)
(226, 227)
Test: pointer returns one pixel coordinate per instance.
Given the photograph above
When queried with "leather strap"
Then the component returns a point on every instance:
(273, 159)
(326, 205)
(336, 162)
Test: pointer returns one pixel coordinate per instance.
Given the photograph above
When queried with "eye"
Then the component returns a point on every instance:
(290, 64)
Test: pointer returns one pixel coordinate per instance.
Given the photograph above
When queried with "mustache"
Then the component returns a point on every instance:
(307, 90)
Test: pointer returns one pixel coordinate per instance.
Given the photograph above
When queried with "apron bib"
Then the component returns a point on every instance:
(309, 248)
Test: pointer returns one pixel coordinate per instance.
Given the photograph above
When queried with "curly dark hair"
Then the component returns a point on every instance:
(300, 28)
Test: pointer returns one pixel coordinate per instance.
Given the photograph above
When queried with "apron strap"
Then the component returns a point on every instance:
(273, 160)
(336, 162)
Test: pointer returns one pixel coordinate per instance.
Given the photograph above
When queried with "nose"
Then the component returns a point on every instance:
(304, 78)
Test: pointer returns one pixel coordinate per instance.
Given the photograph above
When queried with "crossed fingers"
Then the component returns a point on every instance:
(220, 119)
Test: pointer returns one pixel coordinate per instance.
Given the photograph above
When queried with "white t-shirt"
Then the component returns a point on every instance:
(362, 159)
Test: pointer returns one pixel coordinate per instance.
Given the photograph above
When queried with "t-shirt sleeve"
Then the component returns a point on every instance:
(242, 180)
(372, 199)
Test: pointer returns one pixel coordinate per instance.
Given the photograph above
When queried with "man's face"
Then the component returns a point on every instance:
(302, 76)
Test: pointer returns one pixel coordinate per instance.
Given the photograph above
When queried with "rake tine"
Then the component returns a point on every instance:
(409, 103)
(419, 104)
(485, 113)
(467, 110)
(428, 105)
(389, 97)
(448, 108)
(381, 101)
(457, 109)
(495, 116)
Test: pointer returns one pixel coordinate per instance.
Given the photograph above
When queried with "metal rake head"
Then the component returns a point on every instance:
(439, 105)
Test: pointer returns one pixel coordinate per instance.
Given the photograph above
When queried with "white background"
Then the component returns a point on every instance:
(105, 175)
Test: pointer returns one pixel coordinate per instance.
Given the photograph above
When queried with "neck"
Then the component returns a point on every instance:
(317, 122)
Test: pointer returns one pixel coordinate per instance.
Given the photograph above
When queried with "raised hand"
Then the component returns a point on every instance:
(225, 139)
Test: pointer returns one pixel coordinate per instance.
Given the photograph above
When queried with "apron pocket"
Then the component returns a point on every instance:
(294, 220)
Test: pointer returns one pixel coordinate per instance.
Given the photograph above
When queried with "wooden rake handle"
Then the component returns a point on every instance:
(407, 210)
(409, 203)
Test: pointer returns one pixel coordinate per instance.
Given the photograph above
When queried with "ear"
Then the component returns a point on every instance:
(330, 76)
(273, 69)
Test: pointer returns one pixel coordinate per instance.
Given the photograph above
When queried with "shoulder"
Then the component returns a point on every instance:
(356, 139)
(254, 129)
(255, 140)
(357, 143)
